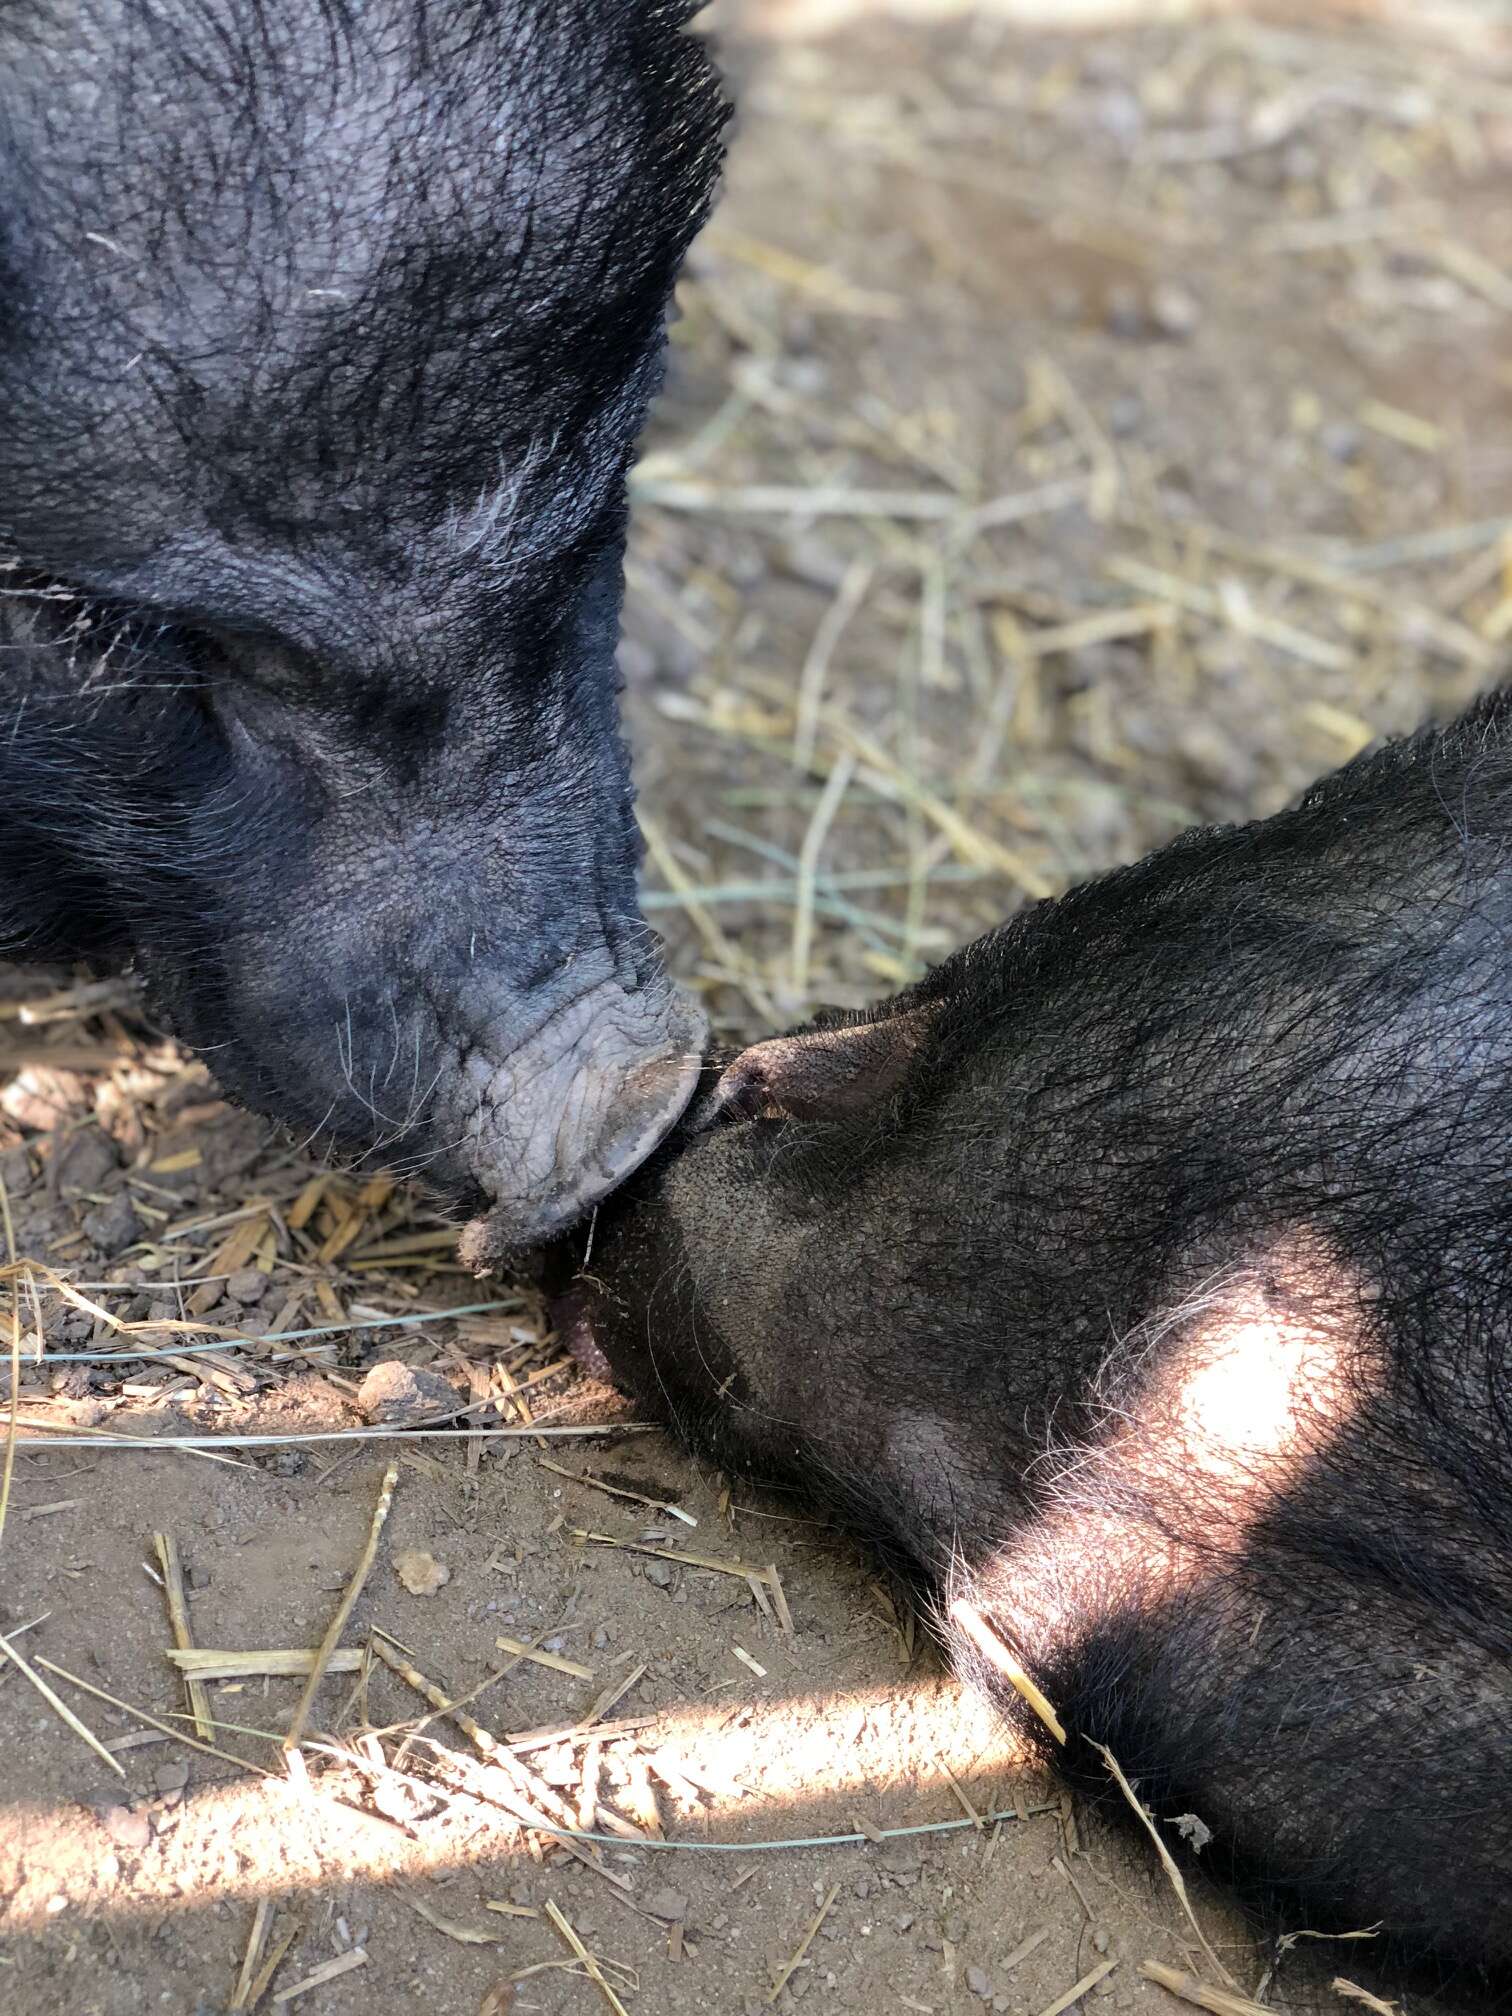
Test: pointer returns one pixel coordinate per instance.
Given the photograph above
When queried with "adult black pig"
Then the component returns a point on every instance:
(1143, 1280)
(326, 331)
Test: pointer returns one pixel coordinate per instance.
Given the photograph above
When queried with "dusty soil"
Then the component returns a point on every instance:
(1182, 350)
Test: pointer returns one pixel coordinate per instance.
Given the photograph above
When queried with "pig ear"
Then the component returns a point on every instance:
(820, 1074)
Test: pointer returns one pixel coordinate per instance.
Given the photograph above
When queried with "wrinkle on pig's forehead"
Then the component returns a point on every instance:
(422, 277)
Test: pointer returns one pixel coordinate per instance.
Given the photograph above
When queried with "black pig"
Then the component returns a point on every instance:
(1143, 1281)
(326, 330)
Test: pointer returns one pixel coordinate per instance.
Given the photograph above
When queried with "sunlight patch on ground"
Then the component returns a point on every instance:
(751, 1771)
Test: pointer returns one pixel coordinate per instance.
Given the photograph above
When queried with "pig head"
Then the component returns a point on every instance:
(326, 333)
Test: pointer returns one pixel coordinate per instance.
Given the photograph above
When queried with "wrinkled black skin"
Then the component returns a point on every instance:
(1134, 1106)
(326, 331)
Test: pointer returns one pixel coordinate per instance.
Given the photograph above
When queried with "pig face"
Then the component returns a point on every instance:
(325, 336)
(926, 1226)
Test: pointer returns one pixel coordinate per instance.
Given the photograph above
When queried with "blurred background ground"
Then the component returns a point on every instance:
(1071, 436)
(1181, 349)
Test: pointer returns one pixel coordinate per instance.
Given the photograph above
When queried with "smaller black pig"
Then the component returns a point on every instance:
(1142, 1280)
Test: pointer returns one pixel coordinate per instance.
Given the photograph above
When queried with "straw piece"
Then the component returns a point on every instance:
(239, 1340)
(790, 1967)
(851, 593)
(233, 1253)
(586, 1478)
(528, 1797)
(1221, 2001)
(687, 1560)
(963, 1796)
(465, 1935)
(722, 948)
(998, 1656)
(977, 849)
(550, 1659)
(178, 1619)
(280, 1663)
(45, 1436)
(332, 1970)
(787, 500)
(616, 1691)
(1245, 618)
(152, 1721)
(595, 1973)
(59, 1706)
(15, 1356)
(789, 270)
(262, 1917)
(835, 787)
(1050, 383)
(1024, 1948)
(779, 1599)
(1353, 1992)
(272, 1964)
(1079, 1988)
(1178, 1883)
(343, 1609)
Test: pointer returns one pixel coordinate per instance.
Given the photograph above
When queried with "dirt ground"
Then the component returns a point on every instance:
(1179, 348)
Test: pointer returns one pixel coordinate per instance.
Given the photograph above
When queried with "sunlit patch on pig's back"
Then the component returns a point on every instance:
(1259, 1374)
(1212, 1414)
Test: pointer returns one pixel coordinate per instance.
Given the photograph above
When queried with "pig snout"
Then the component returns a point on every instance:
(574, 1111)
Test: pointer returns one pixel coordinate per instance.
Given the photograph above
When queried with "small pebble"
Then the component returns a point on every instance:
(1173, 312)
(659, 1572)
(1125, 315)
(977, 1982)
(397, 1395)
(1340, 440)
(421, 1573)
(669, 1905)
(126, 1828)
(1125, 415)
(86, 1160)
(170, 1779)
(112, 1227)
(1119, 113)
(247, 1284)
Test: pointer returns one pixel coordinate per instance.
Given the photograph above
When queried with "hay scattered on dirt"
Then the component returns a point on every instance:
(983, 543)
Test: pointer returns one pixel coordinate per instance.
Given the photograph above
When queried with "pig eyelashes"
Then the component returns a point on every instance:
(109, 647)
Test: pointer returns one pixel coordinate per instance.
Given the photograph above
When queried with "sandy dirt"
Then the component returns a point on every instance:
(1188, 343)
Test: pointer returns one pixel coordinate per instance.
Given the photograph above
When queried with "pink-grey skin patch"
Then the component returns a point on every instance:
(573, 1322)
